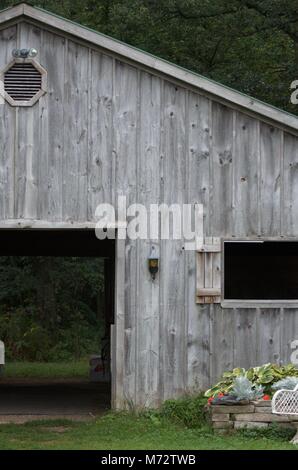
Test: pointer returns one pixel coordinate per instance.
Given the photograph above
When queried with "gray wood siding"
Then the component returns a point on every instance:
(8, 130)
(106, 128)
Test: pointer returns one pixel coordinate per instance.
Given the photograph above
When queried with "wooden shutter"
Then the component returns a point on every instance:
(209, 271)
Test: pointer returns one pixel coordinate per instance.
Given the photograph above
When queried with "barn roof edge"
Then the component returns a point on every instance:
(155, 63)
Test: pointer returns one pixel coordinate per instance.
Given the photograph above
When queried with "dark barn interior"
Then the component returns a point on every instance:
(261, 270)
(23, 398)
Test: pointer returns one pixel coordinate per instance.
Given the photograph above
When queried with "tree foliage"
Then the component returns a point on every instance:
(250, 45)
(50, 308)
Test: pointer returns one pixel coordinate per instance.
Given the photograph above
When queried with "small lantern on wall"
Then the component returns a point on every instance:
(153, 262)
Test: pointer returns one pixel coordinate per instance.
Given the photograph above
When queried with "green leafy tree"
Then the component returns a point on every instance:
(51, 308)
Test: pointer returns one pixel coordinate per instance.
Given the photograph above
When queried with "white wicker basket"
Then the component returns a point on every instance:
(285, 402)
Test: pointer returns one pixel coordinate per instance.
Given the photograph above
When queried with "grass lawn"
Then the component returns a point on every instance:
(179, 425)
(125, 431)
(74, 369)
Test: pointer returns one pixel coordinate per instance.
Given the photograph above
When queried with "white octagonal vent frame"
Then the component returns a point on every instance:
(37, 96)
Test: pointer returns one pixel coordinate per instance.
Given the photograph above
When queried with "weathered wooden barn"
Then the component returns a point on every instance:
(89, 118)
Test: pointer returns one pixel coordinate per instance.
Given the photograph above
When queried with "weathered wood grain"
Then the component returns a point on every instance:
(290, 185)
(125, 146)
(245, 184)
(100, 153)
(269, 336)
(198, 191)
(222, 353)
(208, 271)
(198, 176)
(270, 173)
(148, 192)
(199, 347)
(174, 325)
(222, 177)
(289, 336)
(8, 129)
(52, 129)
(27, 142)
(74, 188)
(245, 342)
(118, 354)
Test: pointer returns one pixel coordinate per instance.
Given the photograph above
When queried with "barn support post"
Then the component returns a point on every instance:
(117, 332)
(109, 297)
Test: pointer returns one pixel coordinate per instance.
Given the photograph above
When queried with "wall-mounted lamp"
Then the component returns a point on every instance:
(24, 53)
(153, 262)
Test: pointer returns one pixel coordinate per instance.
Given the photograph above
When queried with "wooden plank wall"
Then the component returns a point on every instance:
(8, 129)
(106, 129)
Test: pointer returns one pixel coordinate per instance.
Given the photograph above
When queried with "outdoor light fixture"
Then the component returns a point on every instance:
(153, 262)
(24, 53)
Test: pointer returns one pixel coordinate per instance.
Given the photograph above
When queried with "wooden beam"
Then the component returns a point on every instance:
(45, 224)
(11, 13)
(118, 352)
(209, 249)
(205, 291)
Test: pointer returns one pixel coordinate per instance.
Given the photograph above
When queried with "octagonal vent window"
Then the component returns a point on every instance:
(24, 82)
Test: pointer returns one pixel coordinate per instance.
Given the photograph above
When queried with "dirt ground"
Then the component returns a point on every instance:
(23, 400)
